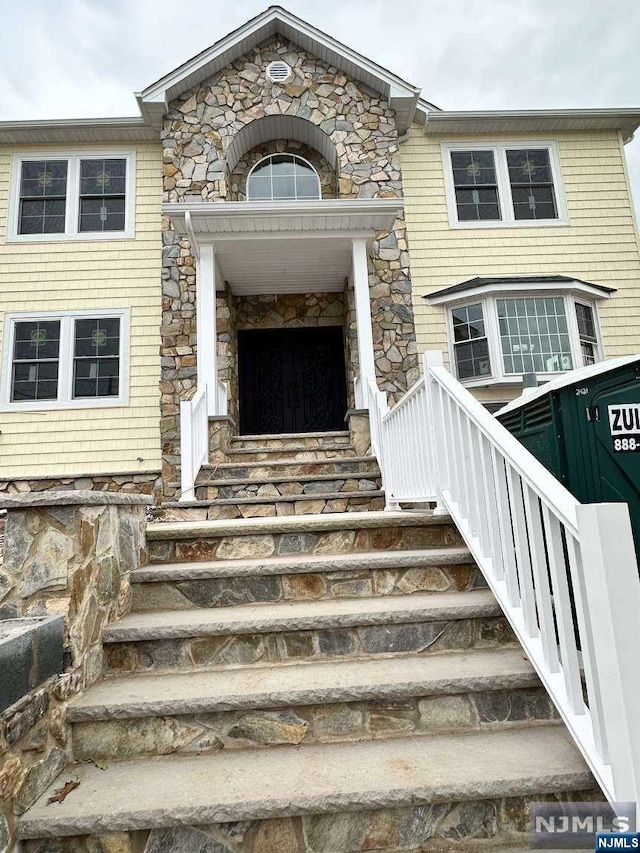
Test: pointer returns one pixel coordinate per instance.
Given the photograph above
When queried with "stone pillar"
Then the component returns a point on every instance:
(360, 275)
(66, 554)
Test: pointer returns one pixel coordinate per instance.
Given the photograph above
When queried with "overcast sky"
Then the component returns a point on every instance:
(85, 58)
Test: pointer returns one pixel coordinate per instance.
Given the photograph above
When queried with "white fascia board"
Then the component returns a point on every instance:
(130, 128)
(571, 377)
(243, 39)
(571, 287)
(284, 214)
(506, 121)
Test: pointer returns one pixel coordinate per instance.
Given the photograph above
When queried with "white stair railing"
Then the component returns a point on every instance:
(564, 573)
(194, 437)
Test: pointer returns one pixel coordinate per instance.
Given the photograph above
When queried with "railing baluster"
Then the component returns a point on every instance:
(491, 503)
(594, 695)
(541, 587)
(506, 529)
(475, 476)
(558, 569)
(523, 559)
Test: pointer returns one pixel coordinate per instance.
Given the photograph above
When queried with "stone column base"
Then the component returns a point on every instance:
(358, 422)
(221, 430)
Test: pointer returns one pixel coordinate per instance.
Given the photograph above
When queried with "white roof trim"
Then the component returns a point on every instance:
(403, 96)
(323, 217)
(571, 377)
(129, 129)
(518, 288)
(508, 121)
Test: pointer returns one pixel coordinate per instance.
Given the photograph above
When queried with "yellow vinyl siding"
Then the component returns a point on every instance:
(81, 274)
(600, 243)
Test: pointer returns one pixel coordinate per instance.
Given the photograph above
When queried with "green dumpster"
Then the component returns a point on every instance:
(585, 428)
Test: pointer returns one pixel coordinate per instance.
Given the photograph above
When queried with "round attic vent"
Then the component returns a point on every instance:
(278, 72)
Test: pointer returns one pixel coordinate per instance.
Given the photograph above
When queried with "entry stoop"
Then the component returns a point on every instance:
(329, 682)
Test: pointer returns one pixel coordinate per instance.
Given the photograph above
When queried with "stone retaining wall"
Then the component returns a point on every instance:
(143, 484)
(70, 554)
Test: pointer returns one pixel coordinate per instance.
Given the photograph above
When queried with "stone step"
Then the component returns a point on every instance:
(284, 440)
(180, 586)
(269, 507)
(318, 781)
(327, 533)
(267, 471)
(252, 634)
(313, 703)
(295, 451)
(277, 486)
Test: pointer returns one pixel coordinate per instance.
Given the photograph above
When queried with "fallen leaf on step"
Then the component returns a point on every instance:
(60, 794)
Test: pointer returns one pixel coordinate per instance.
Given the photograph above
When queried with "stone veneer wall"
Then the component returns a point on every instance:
(198, 130)
(69, 554)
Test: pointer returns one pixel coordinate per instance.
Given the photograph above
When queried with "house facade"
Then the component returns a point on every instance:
(285, 221)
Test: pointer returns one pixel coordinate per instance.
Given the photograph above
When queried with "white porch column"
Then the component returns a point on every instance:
(360, 277)
(207, 335)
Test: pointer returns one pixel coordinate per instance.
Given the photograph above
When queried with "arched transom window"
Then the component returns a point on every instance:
(282, 177)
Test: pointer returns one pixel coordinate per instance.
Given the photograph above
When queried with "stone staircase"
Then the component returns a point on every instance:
(285, 475)
(308, 683)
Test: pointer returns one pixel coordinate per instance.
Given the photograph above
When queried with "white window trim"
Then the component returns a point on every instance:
(72, 209)
(499, 150)
(492, 332)
(288, 154)
(65, 368)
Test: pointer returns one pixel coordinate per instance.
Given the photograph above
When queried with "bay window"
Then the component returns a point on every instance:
(498, 332)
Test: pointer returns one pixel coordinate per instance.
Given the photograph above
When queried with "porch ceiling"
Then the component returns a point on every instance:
(283, 247)
(300, 265)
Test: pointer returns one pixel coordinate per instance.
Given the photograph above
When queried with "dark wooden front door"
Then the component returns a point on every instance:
(291, 380)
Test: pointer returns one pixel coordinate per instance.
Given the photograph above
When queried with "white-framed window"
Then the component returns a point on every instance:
(498, 337)
(72, 195)
(506, 184)
(65, 359)
(283, 177)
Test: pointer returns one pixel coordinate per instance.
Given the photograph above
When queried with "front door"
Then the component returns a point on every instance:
(291, 380)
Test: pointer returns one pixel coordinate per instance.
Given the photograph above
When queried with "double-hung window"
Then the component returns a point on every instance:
(77, 196)
(495, 185)
(496, 336)
(60, 359)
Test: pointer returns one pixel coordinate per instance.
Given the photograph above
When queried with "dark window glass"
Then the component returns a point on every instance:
(43, 194)
(587, 333)
(96, 358)
(36, 352)
(532, 184)
(475, 185)
(102, 195)
(470, 343)
(283, 177)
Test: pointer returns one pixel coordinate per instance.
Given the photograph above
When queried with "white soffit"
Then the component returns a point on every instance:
(66, 131)
(280, 127)
(403, 97)
(303, 265)
(531, 121)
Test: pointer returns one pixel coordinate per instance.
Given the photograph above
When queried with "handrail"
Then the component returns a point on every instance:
(194, 436)
(564, 573)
